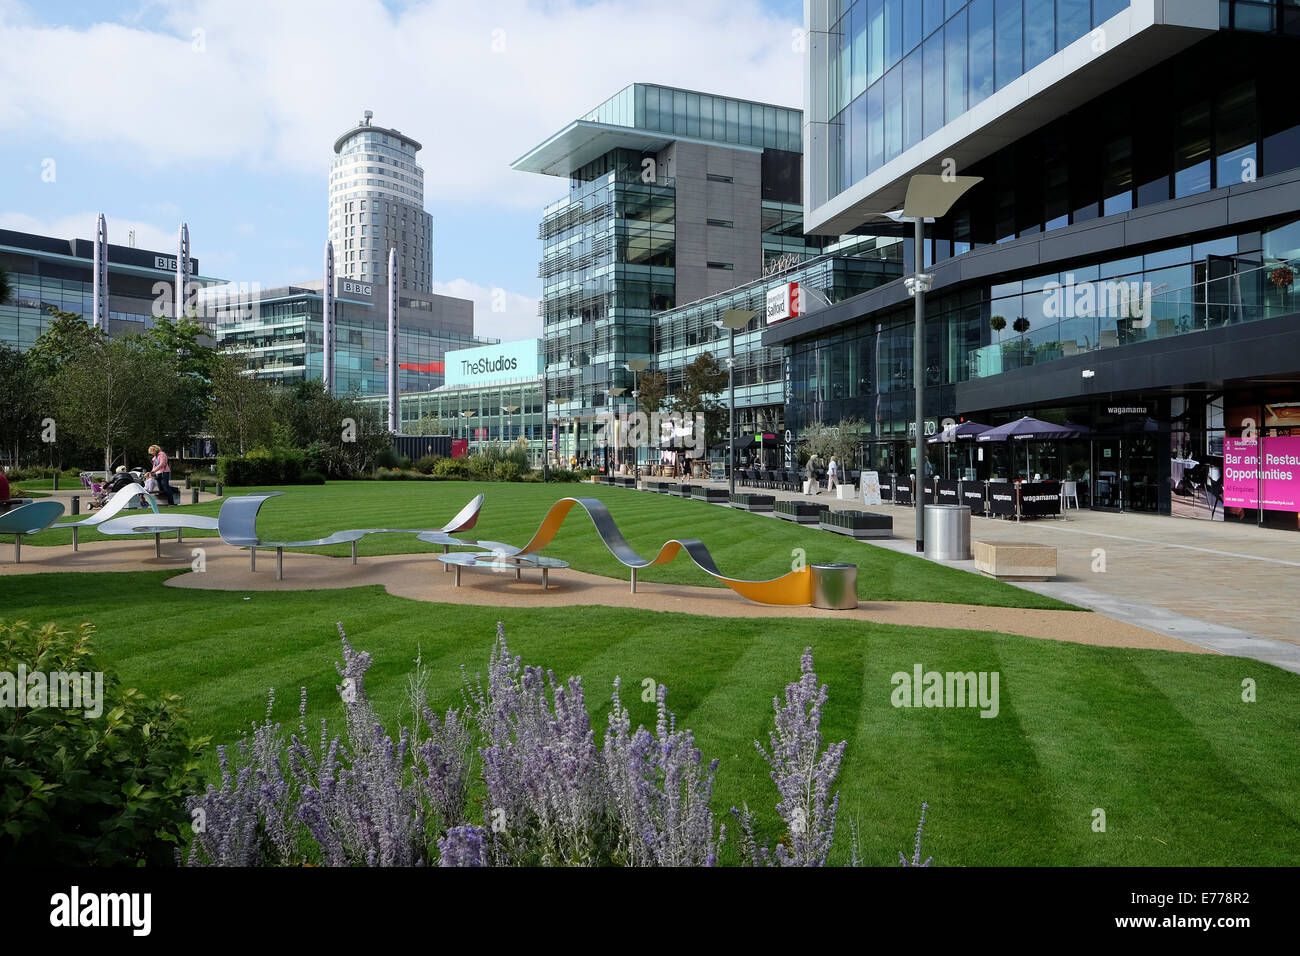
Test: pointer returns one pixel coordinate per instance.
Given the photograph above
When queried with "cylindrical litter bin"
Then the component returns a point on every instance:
(947, 532)
(835, 586)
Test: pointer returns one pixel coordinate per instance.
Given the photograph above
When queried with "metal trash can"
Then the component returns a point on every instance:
(947, 532)
(835, 586)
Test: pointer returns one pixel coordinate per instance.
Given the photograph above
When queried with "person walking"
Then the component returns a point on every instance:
(161, 469)
(832, 475)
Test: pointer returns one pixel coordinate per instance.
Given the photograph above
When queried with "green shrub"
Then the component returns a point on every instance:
(386, 458)
(505, 471)
(311, 478)
(426, 464)
(101, 790)
(452, 468)
(480, 467)
(263, 466)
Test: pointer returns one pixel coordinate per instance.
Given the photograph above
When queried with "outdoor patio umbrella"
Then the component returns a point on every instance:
(962, 431)
(1031, 429)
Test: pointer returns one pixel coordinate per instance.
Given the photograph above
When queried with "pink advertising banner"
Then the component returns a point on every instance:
(1279, 485)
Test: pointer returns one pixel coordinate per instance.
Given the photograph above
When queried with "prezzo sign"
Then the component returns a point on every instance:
(509, 361)
(783, 302)
(355, 288)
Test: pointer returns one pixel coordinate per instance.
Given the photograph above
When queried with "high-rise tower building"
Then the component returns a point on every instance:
(377, 203)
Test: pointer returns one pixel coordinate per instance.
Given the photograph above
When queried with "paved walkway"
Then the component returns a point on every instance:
(1228, 587)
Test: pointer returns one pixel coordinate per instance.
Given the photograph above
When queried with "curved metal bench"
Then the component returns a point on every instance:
(28, 519)
(790, 589)
(120, 500)
(237, 525)
(158, 525)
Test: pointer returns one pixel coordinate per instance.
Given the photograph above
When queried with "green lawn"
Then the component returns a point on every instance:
(744, 545)
(1186, 772)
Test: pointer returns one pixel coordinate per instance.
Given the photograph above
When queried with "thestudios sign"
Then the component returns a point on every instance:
(783, 303)
(507, 362)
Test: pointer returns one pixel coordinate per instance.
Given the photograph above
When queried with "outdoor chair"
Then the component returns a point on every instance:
(28, 519)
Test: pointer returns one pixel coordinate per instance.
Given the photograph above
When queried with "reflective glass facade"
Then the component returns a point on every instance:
(685, 113)
(898, 70)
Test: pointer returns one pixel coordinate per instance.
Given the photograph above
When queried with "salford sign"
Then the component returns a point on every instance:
(783, 303)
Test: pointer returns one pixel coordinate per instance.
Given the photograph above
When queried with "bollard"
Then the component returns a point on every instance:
(194, 497)
(56, 481)
(187, 482)
(76, 504)
(218, 489)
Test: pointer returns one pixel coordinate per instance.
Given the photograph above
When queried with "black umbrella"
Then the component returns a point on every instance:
(1031, 429)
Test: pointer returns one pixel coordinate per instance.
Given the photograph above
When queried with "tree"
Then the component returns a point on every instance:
(104, 395)
(67, 336)
(703, 380)
(652, 392)
(22, 394)
(241, 413)
(187, 403)
(431, 425)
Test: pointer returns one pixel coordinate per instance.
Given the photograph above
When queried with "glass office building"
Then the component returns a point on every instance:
(49, 273)
(673, 196)
(283, 335)
(1127, 263)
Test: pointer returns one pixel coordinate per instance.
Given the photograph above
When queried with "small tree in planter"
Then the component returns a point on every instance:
(997, 324)
(1021, 326)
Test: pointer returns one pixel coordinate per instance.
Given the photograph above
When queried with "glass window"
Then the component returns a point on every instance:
(846, 64)
(912, 32)
(858, 17)
(1103, 10)
(933, 15)
(875, 39)
(1117, 175)
(1008, 41)
(981, 50)
(893, 112)
(933, 53)
(858, 147)
(1040, 31)
(1235, 132)
(749, 132)
(1192, 152)
(1073, 20)
(875, 127)
(955, 57)
(893, 32)
(912, 122)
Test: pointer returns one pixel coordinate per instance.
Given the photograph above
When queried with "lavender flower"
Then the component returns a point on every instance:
(916, 851)
(802, 772)
(661, 791)
(463, 846)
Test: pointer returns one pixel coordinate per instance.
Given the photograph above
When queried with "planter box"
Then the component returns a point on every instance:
(683, 490)
(621, 481)
(754, 502)
(1015, 560)
(858, 524)
(716, 496)
(800, 512)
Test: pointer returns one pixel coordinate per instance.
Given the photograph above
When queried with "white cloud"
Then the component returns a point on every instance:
(497, 313)
(261, 84)
(81, 225)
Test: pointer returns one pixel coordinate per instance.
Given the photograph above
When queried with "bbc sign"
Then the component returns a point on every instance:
(783, 303)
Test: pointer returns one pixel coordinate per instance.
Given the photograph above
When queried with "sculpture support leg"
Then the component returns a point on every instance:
(354, 552)
(458, 575)
(252, 559)
(18, 549)
(634, 580)
(157, 545)
(546, 578)
(446, 549)
(74, 538)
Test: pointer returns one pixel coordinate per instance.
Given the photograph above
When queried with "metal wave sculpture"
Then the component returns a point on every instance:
(790, 589)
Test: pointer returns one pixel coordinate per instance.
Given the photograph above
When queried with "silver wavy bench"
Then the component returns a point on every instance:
(158, 525)
(237, 525)
(28, 519)
(121, 499)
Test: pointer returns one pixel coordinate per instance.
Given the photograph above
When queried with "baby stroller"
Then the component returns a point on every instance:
(97, 490)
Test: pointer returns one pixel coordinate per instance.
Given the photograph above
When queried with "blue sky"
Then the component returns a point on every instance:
(222, 113)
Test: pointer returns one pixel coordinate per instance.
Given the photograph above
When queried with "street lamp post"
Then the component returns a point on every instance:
(733, 320)
(928, 197)
(467, 414)
(636, 367)
(510, 411)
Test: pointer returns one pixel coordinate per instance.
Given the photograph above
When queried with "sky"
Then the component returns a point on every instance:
(223, 114)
